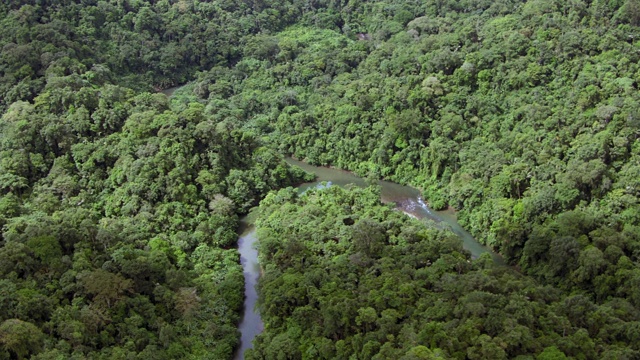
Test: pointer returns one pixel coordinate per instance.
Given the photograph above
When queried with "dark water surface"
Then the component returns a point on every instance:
(406, 198)
(169, 92)
(251, 324)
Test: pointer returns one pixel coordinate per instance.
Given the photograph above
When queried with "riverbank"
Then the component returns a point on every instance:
(406, 199)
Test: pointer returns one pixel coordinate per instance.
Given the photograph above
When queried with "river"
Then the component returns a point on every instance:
(407, 199)
(169, 91)
(251, 324)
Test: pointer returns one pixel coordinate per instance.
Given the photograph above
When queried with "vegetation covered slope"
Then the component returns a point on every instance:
(144, 43)
(119, 209)
(523, 116)
(348, 278)
(119, 229)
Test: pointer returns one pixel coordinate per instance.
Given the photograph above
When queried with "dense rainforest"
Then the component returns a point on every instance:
(346, 277)
(119, 206)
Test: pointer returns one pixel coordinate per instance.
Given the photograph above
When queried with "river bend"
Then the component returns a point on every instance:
(407, 199)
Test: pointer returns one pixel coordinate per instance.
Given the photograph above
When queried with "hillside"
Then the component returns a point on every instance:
(119, 206)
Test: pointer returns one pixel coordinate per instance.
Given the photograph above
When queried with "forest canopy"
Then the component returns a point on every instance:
(385, 286)
(119, 206)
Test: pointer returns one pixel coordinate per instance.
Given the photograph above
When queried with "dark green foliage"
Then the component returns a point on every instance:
(520, 116)
(390, 287)
(119, 207)
(137, 43)
(119, 214)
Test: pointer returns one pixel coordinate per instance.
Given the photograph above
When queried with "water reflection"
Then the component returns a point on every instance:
(251, 323)
(407, 199)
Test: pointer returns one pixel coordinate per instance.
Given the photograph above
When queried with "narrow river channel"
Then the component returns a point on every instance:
(251, 324)
(407, 199)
